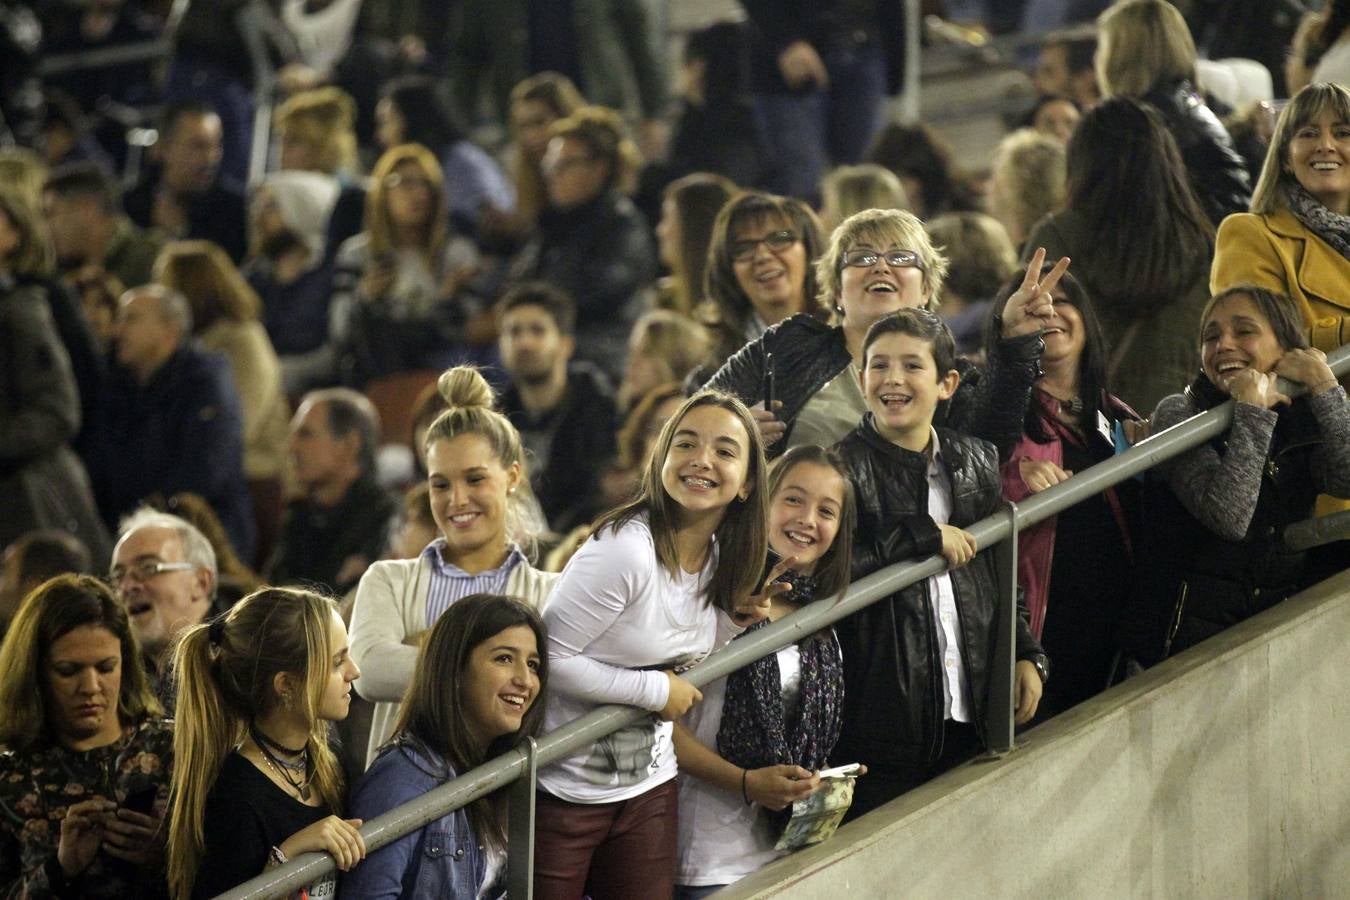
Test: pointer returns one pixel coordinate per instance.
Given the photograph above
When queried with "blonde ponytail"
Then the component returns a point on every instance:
(225, 671)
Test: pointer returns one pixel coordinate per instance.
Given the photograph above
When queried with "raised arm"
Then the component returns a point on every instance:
(1220, 490)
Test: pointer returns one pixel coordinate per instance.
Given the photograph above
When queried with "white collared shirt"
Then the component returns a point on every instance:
(946, 620)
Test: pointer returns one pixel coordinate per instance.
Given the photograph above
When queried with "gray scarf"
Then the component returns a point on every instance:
(1333, 228)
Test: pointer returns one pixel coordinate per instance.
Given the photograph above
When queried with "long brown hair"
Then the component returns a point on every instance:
(52, 610)
(697, 199)
(204, 274)
(1152, 242)
(834, 568)
(225, 672)
(1307, 105)
(742, 535)
(433, 711)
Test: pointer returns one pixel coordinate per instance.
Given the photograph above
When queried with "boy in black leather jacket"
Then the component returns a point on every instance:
(917, 665)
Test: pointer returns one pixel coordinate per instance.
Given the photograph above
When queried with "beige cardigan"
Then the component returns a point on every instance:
(257, 378)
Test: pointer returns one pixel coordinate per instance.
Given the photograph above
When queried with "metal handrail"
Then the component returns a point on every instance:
(556, 745)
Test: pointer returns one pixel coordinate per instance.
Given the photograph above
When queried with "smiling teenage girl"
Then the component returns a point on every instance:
(257, 782)
(753, 745)
(1215, 516)
(647, 597)
(477, 689)
(479, 499)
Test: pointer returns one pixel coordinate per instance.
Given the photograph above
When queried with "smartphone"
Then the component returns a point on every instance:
(142, 801)
(768, 382)
(840, 771)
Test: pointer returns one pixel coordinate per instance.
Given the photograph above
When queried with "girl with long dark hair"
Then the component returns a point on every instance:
(477, 690)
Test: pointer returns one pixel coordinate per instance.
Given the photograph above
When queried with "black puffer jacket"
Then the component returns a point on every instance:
(989, 403)
(893, 704)
(1216, 170)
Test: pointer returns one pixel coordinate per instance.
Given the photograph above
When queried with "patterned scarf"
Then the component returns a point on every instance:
(1333, 228)
(755, 732)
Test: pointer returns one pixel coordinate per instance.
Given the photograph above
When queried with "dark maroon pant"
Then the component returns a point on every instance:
(608, 851)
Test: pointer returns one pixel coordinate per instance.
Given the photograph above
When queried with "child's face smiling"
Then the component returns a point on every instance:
(804, 513)
(903, 387)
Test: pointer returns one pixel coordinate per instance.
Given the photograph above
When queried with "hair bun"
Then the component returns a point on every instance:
(465, 387)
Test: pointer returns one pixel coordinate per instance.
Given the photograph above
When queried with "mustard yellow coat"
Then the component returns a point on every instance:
(1277, 252)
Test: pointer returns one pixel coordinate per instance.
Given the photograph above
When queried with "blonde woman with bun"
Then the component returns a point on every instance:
(480, 499)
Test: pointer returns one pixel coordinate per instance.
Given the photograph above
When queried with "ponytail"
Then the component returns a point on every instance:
(225, 672)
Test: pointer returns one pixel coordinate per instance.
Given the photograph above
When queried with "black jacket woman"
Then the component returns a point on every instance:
(879, 261)
(1145, 51)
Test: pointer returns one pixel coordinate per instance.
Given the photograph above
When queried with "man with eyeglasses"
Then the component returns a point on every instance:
(164, 571)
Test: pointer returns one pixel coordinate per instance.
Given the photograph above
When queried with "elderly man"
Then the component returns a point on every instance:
(340, 523)
(164, 572)
(170, 420)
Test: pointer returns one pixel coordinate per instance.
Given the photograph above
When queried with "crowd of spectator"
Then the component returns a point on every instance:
(385, 381)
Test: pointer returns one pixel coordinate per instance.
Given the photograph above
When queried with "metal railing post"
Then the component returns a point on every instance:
(520, 861)
(1002, 704)
(510, 766)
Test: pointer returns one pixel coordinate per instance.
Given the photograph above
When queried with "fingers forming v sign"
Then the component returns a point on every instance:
(1033, 302)
(755, 608)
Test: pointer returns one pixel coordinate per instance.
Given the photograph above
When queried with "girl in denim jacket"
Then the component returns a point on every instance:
(476, 691)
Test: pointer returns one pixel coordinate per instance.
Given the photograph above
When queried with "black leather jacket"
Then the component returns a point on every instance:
(1216, 170)
(989, 403)
(893, 704)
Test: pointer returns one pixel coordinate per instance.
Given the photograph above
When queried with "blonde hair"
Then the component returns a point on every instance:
(33, 257)
(605, 135)
(1307, 105)
(378, 224)
(677, 340)
(561, 96)
(980, 254)
(1029, 178)
(324, 118)
(470, 410)
(880, 228)
(225, 672)
(1142, 45)
(850, 189)
(23, 171)
(204, 274)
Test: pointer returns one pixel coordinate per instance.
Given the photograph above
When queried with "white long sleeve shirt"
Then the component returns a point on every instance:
(616, 621)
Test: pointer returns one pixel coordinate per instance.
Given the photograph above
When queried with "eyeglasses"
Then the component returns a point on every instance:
(865, 257)
(146, 569)
(406, 181)
(776, 241)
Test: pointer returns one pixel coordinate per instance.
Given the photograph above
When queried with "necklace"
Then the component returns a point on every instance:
(282, 767)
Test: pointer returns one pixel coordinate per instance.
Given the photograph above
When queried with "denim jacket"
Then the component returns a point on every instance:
(441, 860)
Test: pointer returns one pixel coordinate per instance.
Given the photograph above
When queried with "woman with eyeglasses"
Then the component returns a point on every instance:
(85, 752)
(592, 242)
(879, 261)
(400, 298)
(760, 270)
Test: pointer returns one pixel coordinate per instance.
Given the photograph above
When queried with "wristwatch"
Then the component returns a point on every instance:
(1042, 664)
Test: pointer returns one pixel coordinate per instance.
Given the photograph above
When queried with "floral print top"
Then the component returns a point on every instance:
(39, 783)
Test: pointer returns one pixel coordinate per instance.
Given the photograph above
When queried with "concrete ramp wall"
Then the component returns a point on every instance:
(1223, 773)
